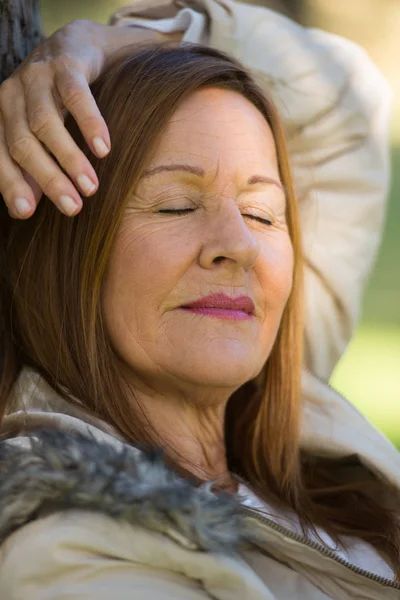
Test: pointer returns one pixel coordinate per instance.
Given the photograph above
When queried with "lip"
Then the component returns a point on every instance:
(222, 301)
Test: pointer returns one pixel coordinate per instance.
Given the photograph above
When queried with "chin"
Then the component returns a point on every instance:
(220, 374)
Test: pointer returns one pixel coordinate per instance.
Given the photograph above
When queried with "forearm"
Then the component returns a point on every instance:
(114, 40)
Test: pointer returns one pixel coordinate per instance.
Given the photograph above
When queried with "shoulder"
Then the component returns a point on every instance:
(84, 554)
(51, 470)
(75, 511)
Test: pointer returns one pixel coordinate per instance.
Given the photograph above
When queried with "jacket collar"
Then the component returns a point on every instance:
(331, 426)
(67, 459)
(55, 469)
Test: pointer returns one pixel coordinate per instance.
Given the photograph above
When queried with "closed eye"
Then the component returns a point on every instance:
(184, 211)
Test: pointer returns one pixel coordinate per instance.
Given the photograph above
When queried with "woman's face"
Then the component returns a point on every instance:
(232, 239)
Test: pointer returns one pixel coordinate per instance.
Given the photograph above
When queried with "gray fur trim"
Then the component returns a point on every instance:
(62, 471)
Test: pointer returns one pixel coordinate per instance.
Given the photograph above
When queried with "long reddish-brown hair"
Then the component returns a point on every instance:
(50, 293)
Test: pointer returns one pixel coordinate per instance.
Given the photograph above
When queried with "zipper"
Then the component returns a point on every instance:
(316, 546)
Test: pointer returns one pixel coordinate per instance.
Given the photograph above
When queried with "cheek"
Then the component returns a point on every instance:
(276, 268)
(145, 265)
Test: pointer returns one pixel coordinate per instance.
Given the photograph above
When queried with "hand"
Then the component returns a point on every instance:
(52, 80)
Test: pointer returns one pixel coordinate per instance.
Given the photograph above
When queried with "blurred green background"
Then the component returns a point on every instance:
(369, 372)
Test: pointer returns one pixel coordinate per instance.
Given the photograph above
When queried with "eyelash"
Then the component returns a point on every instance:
(184, 211)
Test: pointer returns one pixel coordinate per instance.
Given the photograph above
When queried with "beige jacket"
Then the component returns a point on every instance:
(93, 519)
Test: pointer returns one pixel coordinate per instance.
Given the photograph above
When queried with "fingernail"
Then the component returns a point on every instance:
(22, 207)
(86, 184)
(68, 205)
(100, 147)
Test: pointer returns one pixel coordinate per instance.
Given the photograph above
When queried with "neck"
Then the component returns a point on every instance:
(192, 438)
(190, 429)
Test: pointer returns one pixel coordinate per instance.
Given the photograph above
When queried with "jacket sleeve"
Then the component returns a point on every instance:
(74, 555)
(335, 106)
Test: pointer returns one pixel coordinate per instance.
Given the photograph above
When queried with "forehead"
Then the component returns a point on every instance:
(217, 125)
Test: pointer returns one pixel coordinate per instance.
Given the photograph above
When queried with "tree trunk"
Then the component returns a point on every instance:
(20, 33)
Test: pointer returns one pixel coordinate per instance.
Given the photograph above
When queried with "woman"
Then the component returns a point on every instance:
(168, 315)
(335, 108)
(139, 365)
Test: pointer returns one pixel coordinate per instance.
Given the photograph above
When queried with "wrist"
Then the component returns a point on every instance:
(113, 39)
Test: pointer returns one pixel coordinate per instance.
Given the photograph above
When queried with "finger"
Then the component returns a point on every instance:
(46, 123)
(35, 187)
(30, 155)
(77, 98)
(17, 193)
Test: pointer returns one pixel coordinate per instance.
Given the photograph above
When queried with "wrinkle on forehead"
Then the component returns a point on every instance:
(225, 135)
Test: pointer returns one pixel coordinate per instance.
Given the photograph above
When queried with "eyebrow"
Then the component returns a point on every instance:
(200, 173)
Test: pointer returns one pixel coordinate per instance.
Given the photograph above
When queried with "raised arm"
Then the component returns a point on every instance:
(335, 105)
(333, 101)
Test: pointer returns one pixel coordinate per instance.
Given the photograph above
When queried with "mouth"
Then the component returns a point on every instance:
(223, 306)
(220, 313)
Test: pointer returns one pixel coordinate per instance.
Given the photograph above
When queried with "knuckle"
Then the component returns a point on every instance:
(90, 123)
(20, 149)
(40, 121)
(31, 73)
(71, 159)
(12, 187)
(6, 188)
(67, 69)
(75, 28)
(73, 96)
(68, 161)
(50, 185)
(63, 63)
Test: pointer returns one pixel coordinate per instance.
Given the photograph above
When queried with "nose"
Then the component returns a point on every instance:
(227, 238)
